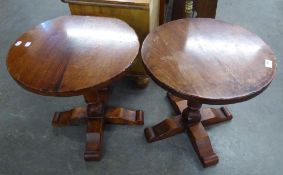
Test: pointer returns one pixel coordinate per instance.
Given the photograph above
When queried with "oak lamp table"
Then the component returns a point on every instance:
(204, 61)
(75, 55)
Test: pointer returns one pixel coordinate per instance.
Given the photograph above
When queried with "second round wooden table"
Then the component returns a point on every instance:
(204, 61)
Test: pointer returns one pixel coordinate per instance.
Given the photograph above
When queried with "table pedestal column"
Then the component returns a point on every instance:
(95, 115)
(192, 119)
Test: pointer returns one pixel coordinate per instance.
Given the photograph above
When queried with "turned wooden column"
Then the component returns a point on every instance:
(192, 113)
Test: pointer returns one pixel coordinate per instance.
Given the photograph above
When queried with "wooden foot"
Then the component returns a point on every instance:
(209, 116)
(167, 128)
(75, 116)
(94, 139)
(202, 145)
(124, 117)
(142, 81)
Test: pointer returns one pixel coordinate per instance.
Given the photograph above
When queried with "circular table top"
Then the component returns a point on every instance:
(71, 55)
(209, 61)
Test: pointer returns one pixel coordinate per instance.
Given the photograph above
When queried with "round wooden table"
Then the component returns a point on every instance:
(204, 61)
(75, 55)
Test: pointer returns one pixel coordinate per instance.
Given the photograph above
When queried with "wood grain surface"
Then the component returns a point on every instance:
(72, 55)
(143, 4)
(208, 61)
(142, 17)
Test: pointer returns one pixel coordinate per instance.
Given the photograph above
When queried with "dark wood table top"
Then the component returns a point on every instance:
(209, 61)
(71, 55)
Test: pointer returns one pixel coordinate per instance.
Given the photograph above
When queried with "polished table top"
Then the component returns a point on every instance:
(208, 60)
(70, 55)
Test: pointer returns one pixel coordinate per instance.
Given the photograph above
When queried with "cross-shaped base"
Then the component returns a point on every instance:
(95, 115)
(200, 117)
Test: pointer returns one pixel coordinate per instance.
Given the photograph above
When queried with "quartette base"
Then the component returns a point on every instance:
(196, 131)
(95, 116)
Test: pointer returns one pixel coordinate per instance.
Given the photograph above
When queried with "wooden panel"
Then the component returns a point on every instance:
(206, 8)
(162, 11)
(136, 18)
(154, 13)
(121, 3)
(178, 10)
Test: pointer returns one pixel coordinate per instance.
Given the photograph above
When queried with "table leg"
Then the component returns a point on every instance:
(124, 116)
(167, 128)
(177, 103)
(142, 81)
(95, 124)
(198, 135)
(210, 116)
(94, 138)
(201, 143)
(75, 116)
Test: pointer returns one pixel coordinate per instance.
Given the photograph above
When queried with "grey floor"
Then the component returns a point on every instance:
(250, 144)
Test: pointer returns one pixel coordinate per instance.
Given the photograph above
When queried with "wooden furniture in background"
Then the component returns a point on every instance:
(204, 61)
(178, 9)
(203, 8)
(162, 11)
(76, 55)
(141, 15)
